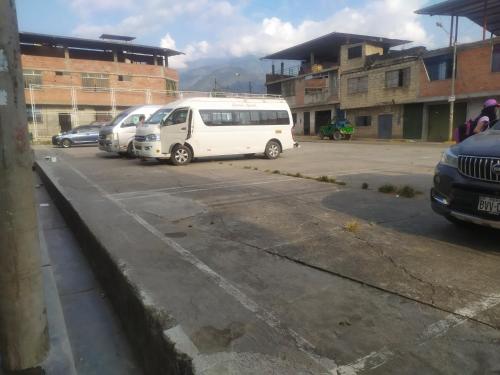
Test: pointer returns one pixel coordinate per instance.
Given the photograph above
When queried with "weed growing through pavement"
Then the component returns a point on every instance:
(351, 226)
(405, 191)
(247, 167)
(326, 179)
(364, 186)
(387, 189)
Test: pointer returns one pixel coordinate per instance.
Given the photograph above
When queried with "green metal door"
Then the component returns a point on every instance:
(412, 121)
(439, 118)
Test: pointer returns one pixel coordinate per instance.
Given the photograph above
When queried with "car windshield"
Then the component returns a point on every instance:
(158, 116)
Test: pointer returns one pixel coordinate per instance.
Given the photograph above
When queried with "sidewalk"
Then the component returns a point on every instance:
(316, 139)
(86, 337)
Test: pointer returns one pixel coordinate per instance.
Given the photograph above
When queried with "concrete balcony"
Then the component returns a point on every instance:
(319, 96)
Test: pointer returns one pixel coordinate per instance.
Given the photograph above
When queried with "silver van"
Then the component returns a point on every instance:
(119, 135)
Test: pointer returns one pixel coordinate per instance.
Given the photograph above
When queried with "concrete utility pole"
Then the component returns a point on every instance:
(23, 323)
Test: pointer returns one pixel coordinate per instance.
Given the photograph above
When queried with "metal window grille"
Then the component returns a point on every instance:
(495, 60)
(34, 116)
(170, 85)
(32, 77)
(95, 81)
(357, 85)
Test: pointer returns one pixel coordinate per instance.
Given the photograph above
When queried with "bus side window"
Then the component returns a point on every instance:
(179, 116)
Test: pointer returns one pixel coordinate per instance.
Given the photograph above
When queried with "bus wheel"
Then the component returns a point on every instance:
(130, 151)
(181, 155)
(273, 150)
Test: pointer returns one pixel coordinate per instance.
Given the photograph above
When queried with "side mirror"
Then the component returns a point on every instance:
(162, 122)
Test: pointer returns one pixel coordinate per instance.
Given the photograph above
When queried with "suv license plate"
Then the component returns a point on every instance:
(489, 205)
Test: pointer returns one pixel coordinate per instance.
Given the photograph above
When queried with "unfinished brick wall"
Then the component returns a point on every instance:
(143, 77)
(474, 73)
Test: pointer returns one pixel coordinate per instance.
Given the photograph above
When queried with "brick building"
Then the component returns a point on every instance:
(312, 88)
(477, 68)
(386, 93)
(73, 81)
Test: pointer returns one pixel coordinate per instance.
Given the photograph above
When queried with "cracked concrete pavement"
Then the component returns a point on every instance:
(403, 291)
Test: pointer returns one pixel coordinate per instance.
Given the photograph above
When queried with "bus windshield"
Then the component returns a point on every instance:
(158, 116)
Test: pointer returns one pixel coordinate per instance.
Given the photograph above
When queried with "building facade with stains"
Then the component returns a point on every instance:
(74, 81)
(387, 92)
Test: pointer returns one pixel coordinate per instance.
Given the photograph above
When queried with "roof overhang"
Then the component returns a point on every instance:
(485, 13)
(94, 44)
(328, 46)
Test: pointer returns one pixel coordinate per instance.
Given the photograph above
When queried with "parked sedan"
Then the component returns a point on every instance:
(467, 181)
(85, 134)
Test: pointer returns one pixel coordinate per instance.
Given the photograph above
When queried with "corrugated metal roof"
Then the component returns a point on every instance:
(475, 10)
(322, 46)
(65, 41)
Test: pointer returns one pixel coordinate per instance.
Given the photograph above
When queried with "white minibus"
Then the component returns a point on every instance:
(147, 137)
(118, 136)
(204, 127)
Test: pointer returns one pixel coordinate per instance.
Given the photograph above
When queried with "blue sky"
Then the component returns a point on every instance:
(227, 28)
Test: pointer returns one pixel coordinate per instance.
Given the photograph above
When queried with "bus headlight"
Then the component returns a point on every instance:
(152, 137)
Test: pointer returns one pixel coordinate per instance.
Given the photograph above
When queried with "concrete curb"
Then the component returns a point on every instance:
(143, 324)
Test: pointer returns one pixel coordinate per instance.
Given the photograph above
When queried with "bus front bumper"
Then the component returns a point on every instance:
(148, 149)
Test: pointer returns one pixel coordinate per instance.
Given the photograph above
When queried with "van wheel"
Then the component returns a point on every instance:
(273, 150)
(66, 143)
(181, 155)
(130, 150)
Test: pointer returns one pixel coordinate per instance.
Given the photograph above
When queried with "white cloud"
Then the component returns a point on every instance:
(230, 32)
(387, 18)
(168, 42)
(192, 52)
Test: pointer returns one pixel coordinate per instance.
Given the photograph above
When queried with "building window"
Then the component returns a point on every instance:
(33, 116)
(95, 81)
(397, 78)
(288, 88)
(170, 85)
(439, 67)
(314, 90)
(495, 59)
(357, 85)
(354, 52)
(123, 78)
(363, 120)
(32, 77)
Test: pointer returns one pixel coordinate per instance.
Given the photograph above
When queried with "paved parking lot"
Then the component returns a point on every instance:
(360, 281)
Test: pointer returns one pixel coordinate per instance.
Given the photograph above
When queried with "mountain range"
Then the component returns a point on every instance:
(243, 74)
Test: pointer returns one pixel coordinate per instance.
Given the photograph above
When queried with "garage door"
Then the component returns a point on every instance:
(439, 119)
(385, 126)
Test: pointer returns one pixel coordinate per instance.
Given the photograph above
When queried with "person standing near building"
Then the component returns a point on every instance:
(142, 118)
(487, 117)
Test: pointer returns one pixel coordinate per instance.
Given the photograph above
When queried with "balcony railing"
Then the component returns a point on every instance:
(316, 96)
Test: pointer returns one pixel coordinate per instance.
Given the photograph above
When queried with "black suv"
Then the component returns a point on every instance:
(467, 180)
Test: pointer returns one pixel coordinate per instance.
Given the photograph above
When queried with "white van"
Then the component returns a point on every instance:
(147, 137)
(118, 136)
(201, 127)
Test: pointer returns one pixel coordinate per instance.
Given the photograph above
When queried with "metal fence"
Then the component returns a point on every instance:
(52, 108)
